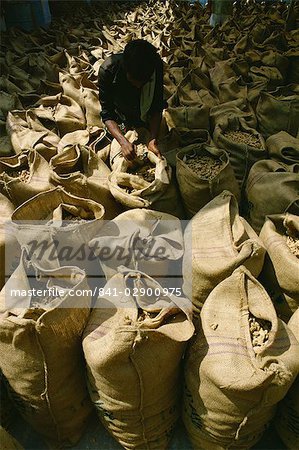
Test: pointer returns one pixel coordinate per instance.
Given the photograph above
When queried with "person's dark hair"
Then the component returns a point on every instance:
(140, 59)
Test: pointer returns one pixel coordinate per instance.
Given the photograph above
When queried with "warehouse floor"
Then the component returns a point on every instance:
(96, 437)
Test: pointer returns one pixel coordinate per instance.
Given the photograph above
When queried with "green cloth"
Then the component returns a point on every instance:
(146, 98)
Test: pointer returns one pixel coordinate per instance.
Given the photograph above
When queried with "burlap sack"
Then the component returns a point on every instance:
(44, 62)
(177, 73)
(139, 233)
(240, 66)
(217, 240)
(23, 176)
(287, 417)
(219, 73)
(281, 268)
(232, 89)
(188, 97)
(194, 89)
(41, 354)
(70, 87)
(283, 147)
(215, 53)
(87, 98)
(276, 40)
(6, 149)
(276, 59)
(55, 228)
(132, 190)
(83, 173)
(231, 386)
(197, 190)
(191, 117)
(242, 155)
(49, 88)
(9, 248)
(39, 68)
(237, 108)
(77, 65)
(254, 90)
(293, 69)
(263, 199)
(226, 84)
(178, 138)
(26, 131)
(171, 201)
(92, 107)
(8, 86)
(139, 138)
(278, 111)
(137, 342)
(201, 60)
(8, 102)
(81, 137)
(243, 45)
(271, 75)
(99, 141)
(67, 113)
(7, 411)
(8, 442)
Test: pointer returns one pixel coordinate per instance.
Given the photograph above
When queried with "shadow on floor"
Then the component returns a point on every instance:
(97, 438)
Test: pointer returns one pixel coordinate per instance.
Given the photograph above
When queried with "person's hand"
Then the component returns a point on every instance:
(152, 147)
(128, 151)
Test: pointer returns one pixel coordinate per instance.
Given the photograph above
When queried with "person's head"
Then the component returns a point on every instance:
(139, 61)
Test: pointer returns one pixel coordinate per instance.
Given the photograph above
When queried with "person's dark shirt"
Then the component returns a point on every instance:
(120, 100)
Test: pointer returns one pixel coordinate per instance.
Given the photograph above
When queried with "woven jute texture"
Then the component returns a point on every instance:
(287, 418)
(49, 389)
(197, 190)
(217, 240)
(133, 346)
(263, 199)
(231, 389)
(281, 268)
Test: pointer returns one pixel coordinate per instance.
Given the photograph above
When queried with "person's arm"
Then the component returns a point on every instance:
(127, 148)
(156, 109)
(108, 113)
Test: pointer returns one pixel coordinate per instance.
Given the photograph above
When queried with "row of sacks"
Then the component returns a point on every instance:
(54, 398)
(28, 181)
(243, 144)
(218, 239)
(72, 103)
(254, 63)
(31, 63)
(193, 103)
(77, 168)
(63, 88)
(238, 160)
(33, 129)
(58, 227)
(202, 171)
(137, 332)
(50, 125)
(82, 173)
(59, 113)
(244, 289)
